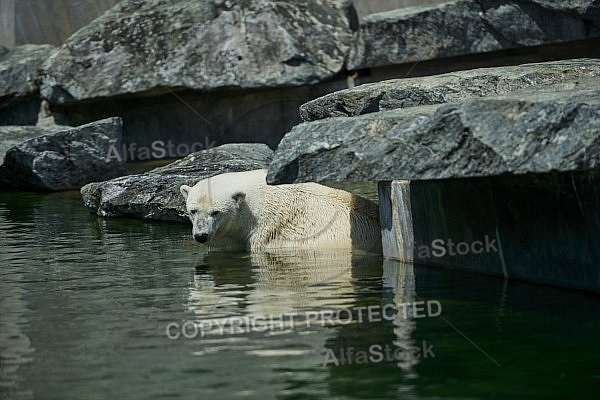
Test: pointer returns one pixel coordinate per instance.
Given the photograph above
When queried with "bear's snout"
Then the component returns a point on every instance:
(201, 237)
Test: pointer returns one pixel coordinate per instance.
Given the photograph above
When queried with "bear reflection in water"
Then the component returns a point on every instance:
(272, 285)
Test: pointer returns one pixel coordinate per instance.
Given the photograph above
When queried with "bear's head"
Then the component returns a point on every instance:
(213, 209)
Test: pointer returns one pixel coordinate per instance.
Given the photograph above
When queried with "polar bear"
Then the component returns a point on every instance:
(239, 209)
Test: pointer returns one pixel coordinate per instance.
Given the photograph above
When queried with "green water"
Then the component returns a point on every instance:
(85, 303)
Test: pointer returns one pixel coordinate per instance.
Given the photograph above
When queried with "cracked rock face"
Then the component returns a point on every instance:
(11, 136)
(66, 158)
(143, 46)
(541, 129)
(19, 69)
(423, 33)
(446, 88)
(155, 194)
(19, 91)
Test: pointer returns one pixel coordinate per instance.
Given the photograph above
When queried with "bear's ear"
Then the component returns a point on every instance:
(238, 197)
(185, 190)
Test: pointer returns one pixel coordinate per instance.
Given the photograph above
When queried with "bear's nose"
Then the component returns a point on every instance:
(201, 237)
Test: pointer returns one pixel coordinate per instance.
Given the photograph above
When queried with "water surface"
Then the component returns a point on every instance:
(85, 303)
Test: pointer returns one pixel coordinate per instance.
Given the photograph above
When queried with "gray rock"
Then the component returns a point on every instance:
(445, 88)
(19, 69)
(19, 91)
(155, 194)
(64, 160)
(11, 136)
(146, 46)
(424, 33)
(547, 128)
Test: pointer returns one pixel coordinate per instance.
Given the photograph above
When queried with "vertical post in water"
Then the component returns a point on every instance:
(395, 211)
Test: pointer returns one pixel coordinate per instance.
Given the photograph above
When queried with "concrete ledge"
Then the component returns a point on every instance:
(541, 228)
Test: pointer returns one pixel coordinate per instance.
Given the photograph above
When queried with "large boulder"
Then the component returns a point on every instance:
(67, 159)
(11, 136)
(445, 88)
(468, 27)
(19, 90)
(155, 194)
(147, 46)
(540, 129)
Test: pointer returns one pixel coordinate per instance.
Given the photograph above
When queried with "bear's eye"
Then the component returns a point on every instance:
(214, 213)
(193, 212)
